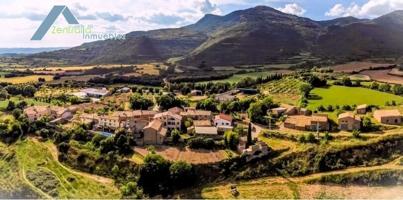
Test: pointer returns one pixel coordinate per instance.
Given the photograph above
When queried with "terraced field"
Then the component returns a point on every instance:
(35, 173)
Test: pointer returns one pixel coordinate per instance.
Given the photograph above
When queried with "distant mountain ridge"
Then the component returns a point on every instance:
(251, 36)
(28, 50)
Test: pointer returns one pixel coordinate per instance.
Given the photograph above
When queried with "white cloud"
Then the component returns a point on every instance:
(23, 17)
(370, 9)
(293, 9)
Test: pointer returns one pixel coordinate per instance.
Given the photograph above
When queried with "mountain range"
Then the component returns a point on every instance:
(253, 36)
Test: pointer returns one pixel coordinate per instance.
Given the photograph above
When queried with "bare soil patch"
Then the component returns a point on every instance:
(383, 76)
(200, 156)
(358, 66)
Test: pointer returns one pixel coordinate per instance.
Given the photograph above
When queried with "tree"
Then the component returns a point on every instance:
(182, 174)
(384, 87)
(4, 94)
(366, 124)
(63, 147)
(208, 104)
(346, 81)
(258, 110)
(155, 175)
(131, 191)
(231, 139)
(374, 86)
(397, 89)
(139, 102)
(167, 101)
(249, 136)
(175, 134)
(305, 89)
(10, 106)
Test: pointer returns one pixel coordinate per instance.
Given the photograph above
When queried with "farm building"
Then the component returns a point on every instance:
(95, 93)
(209, 131)
(362, 109)
(154, 133)
(392, 117)
(307, 123)
(348, 121)
(284, 109)
(196, 93)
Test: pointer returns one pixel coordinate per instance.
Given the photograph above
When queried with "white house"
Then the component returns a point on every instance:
(223, 122)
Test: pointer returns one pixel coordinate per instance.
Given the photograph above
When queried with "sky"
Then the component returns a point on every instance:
(20, 19)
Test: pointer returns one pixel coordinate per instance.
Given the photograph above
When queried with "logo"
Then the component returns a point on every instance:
(74, 27)
(51, 18)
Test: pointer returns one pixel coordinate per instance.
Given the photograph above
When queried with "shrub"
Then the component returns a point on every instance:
(201, 143)
(356, 134)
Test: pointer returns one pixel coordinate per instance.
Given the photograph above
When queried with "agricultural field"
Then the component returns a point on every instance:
(188, 155)
(285, 90)
(341, 95)
(237, 77)
(383, 76)
(26, 79)
(357, 66)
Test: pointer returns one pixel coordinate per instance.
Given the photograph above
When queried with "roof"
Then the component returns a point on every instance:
(363, 106)
(224, 117)
(387, 113)
(210, 130)
(200, 123)
(349, 115)
(175, 110)
(169, 114)
(155, 124)
(302, 120)
(319, 118)
(196, 113)
(101, 92)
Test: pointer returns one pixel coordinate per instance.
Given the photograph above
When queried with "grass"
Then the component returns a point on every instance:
(33, 156)
(26, 79)
(341, 95)
(30, 101)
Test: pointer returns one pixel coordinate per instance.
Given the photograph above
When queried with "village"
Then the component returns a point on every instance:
(155, 127)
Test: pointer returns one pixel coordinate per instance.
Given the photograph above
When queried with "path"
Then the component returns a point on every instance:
(279, 179)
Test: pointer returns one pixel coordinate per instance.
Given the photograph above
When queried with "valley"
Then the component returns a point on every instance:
(253, 104)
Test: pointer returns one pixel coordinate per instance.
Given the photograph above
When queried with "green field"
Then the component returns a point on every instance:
(35, 157)
(341, 95)
(30, 101)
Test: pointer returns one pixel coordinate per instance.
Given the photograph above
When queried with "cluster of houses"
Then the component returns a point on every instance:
(152, 127)
(56, 114)
(299, 119)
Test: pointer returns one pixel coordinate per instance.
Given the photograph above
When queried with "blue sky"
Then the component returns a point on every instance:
(21, 18)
